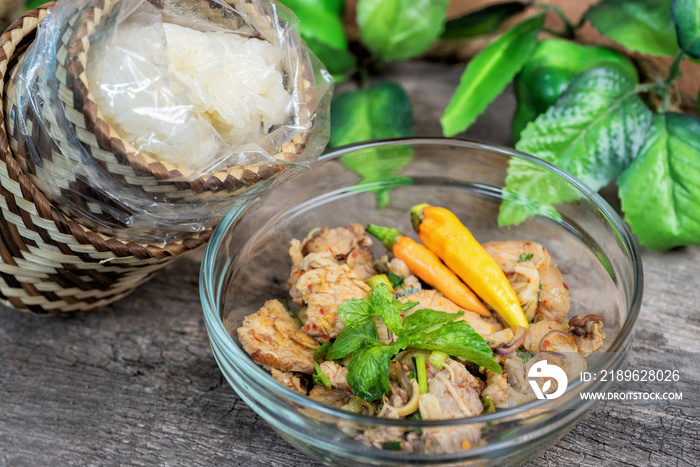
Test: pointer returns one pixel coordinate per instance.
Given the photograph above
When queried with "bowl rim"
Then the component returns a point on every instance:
(209, 293)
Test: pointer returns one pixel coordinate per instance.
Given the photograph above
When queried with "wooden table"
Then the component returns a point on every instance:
(137, 384)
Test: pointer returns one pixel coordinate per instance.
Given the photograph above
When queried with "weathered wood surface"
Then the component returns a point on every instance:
(136, 384)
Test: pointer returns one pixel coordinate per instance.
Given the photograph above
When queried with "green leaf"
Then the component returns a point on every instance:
(459, 339)
(488, 73)
(32, 4)
(322, 29)
(337, 61)
(485, 21)
(356, 312)
(400, 29)
(382, 111)
(368, 371)
(660, 191)
(318, 23)
(594, 131)
(425, 318)
(350, 339)
(643, 26)
(686, 16)
(386, 307)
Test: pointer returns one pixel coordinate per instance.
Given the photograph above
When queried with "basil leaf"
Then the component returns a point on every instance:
(686, 17)
(368, 371)
(643, 26)
(356, 312)
(485, 21)
(350, 339)
(593, 131)
(488, 73)
(459, 339)
(382, 111)
(424, 319)
(660, 191)
(400, 29)
(386, 307)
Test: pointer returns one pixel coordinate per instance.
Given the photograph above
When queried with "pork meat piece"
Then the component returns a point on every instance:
(322, 285)
(349, 245)
(273, 340)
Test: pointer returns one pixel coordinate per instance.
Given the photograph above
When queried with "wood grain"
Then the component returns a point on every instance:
(136, 384)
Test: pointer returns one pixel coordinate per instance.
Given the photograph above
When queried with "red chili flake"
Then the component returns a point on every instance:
(545, 343)
(327, 336)
(510, 273)
(544, 302)
(322, 311)
(565, 286)
(256, 339)
(354, 253)
(308, 286)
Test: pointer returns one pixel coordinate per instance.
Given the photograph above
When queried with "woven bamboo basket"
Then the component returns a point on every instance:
(49, 263)
(113, 158)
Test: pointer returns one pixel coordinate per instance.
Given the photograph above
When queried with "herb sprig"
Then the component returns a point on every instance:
(368, 371)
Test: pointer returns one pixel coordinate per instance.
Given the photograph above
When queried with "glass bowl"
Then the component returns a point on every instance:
(247, 263)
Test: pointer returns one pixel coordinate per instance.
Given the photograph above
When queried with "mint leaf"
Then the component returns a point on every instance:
(368, 371)
(488, 73)
(356, 312)
(660, 191)
(400, 29)
(424, 319)
(686, 17)
(593, 131)
(485, 21)
(459, 339)
(387, 308)
(643, 26)
(350, 339)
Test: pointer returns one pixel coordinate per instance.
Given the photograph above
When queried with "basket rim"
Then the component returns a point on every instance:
(13, 36)
(142, 161)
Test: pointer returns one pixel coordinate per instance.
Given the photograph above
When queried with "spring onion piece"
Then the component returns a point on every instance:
(396, 281)
(420, 373)
(487, 402)
(319, 377)
(379, 279)
(301, 314)
(415, 416)
(321, 351)
(392, 446)
(437, 358)
(354, 405)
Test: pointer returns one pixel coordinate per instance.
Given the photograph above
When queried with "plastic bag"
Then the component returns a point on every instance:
(150, 120)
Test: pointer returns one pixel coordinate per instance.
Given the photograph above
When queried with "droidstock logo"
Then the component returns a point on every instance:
(541, 370)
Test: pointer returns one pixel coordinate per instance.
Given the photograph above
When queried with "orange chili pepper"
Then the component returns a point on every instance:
(427, 266)
(442, 232)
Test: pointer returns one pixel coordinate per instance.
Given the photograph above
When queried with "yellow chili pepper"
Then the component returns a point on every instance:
(442, 232)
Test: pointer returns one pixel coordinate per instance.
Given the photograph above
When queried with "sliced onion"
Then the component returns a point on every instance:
(512, 346)
(551, 335)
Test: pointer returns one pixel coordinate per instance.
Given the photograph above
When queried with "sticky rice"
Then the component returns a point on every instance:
(188, 97)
